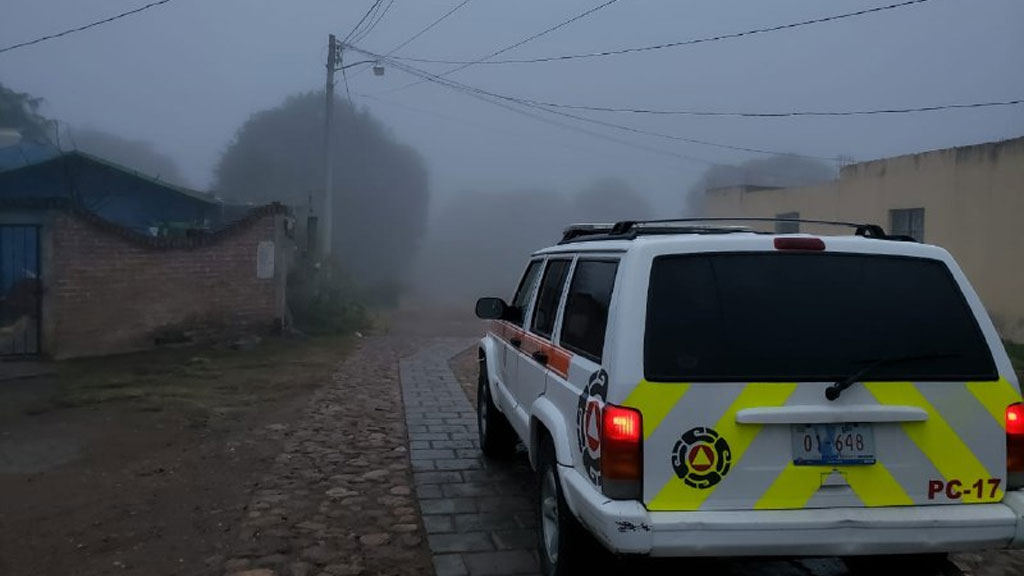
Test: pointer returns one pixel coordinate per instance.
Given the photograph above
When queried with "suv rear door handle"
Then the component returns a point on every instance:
(540, 357)
(517, 342)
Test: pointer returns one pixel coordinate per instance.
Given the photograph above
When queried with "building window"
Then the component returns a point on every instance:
(787, 227)
(907, 222)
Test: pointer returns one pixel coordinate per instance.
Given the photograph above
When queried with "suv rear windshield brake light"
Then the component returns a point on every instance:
(815, 244)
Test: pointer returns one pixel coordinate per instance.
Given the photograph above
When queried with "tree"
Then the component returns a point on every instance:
(381, 188)
(138, 155)
(20, 111)
(776, 171)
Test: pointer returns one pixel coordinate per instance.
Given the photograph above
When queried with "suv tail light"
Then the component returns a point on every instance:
(1015, 445)
(622, 462)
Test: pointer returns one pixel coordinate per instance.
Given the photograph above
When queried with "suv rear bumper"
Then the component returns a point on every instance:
(627, 527)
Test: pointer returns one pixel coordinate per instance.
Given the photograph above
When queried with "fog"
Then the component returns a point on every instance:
(186, 76)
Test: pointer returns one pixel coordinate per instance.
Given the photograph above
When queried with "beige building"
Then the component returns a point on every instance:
(969, 200)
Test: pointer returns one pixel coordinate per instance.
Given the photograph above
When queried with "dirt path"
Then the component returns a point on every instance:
(142, 464)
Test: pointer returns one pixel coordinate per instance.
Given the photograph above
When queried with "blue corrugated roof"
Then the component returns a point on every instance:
(112, 192)
(25, 154)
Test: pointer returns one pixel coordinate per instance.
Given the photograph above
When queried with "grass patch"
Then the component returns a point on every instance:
(220, 379)
(1016, 353)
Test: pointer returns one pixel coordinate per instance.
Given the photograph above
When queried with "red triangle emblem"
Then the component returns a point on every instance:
(701, 458)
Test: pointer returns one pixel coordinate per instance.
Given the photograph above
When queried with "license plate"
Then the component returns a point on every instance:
(833, 444)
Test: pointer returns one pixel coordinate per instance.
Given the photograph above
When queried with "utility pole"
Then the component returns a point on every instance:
(333, 55)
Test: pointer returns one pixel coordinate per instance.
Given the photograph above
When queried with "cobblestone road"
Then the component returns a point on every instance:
(338, 499)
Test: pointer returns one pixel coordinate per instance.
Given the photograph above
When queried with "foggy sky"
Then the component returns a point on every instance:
(186, 75)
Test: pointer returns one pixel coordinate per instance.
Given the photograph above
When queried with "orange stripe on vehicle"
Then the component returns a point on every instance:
(558, 358)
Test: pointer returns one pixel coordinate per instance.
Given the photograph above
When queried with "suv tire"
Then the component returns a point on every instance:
(563, 545)
(497, 439)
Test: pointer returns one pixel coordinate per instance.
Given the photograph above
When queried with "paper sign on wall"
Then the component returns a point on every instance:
(265, 260)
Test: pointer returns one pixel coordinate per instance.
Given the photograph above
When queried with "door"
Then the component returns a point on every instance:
(510, 332)
(584, 326)
(739, 351)
(538, 355)
(20, 290)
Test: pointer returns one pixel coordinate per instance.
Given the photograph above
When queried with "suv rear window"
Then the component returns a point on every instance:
(808, 317)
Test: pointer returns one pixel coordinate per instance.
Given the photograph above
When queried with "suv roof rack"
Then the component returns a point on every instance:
(630, 229)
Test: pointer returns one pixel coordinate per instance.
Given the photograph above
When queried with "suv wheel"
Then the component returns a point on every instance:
(562, 543)
(497, 439)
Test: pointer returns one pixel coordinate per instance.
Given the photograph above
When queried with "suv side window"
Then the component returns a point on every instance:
(526, 287)
(547, 300)
(586, 307)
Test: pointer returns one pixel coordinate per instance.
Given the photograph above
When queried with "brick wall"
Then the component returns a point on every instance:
(110, 293)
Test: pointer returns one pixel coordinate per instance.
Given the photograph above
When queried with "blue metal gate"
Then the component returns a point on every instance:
(20, 290)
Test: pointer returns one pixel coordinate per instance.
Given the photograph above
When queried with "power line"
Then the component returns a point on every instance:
(673, 44)
(816, 113)
(659, 151)
(423, 31)
(430, 26)
(84, 27)
(348, 92)
(558, 26)
(374, 21)
(428, 77)
(373, 7)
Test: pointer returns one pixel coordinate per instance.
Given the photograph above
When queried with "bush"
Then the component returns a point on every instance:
(323, 303)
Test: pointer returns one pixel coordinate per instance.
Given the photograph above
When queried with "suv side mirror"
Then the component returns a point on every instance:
(491, 309)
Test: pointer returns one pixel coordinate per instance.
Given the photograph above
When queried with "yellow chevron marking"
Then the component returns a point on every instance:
(796, 485)
(792, 488)
(995, 397)
(875, 485)
(936, 438)
(676, 495)
(655, 400)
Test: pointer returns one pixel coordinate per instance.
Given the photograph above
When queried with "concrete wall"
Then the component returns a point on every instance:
(974, 207)
(106, 292)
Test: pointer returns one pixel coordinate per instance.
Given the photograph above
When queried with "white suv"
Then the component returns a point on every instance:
(695, 390)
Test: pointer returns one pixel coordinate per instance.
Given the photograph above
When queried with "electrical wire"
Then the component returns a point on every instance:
(374, 21)
(627, 143)
(558, 26)
(430, 26)
(373, 7)
(84, 27)
(790, 114)
(451, 84)
(671, 44)
(348, 92)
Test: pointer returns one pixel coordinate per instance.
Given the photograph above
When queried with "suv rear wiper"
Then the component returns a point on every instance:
(836, 389)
